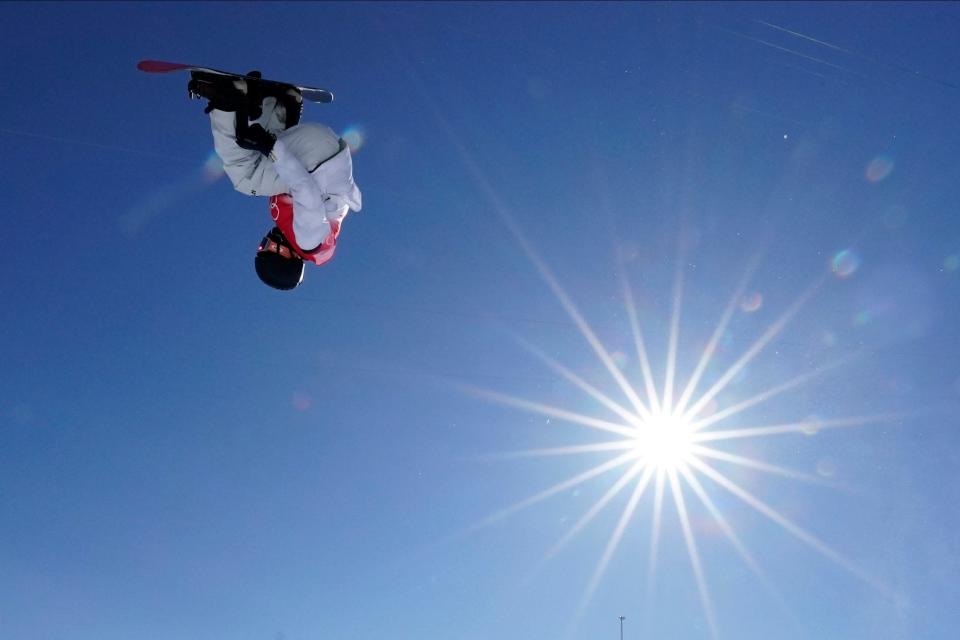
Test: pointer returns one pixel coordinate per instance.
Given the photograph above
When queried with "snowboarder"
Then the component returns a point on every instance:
(304, 168)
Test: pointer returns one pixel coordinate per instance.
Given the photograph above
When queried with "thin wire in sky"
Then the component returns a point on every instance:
(873, 59)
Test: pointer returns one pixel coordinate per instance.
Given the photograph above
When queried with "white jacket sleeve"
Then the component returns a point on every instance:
(249, 171)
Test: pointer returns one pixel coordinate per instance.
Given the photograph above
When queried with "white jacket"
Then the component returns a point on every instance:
(309, 162)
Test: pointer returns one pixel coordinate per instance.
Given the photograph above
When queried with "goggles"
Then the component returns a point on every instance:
(272, 246)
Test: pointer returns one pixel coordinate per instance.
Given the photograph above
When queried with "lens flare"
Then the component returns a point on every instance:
(879, 169)
(811, 425)
(213, 167)
(952, 262)
(826, 468)
(751, 302)
(301, 401)
(845, 263)
(620, 359)
(166, 195)
(354, 136)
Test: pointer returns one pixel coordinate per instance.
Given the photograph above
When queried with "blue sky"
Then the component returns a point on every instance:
(185, 453)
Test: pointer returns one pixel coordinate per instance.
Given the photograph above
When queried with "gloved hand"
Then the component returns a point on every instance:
(254, 137)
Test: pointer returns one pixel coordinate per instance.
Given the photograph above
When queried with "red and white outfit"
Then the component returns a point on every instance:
(308, 176)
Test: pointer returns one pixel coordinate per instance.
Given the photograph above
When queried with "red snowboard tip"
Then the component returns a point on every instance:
(159, 66)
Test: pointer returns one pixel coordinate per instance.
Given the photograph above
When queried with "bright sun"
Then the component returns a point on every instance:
(663, 434)
(664, 441)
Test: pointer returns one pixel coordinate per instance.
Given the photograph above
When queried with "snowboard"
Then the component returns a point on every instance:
(312, 94)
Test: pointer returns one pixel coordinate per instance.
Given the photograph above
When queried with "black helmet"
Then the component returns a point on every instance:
(277, 264)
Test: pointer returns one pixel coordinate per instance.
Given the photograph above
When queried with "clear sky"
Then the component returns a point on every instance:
(185, 453)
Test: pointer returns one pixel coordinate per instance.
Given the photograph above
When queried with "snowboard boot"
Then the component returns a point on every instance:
(254, 92)
(223, 93)
(288, 97)
(292, 101)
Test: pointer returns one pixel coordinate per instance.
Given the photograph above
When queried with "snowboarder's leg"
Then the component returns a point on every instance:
(266, 104)
(312, 143)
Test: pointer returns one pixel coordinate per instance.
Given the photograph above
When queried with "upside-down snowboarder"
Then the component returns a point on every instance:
(304, 168)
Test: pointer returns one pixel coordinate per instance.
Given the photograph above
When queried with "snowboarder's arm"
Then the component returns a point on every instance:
(302, 187)
(249, 171)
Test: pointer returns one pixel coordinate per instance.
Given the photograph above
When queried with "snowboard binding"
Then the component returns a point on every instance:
(222, 93)
(226, 93)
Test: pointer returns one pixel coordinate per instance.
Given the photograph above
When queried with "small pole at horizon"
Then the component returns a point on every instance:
(622, 618)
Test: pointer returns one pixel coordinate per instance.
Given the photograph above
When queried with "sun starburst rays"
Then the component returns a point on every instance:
(671, 368)
(690, 410)
(617, 534)
(655, 535)
(772, 332)
(721, 327)
(691, 543)
(641, 347)
(666, 439)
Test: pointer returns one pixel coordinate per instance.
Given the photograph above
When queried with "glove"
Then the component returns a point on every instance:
(254, 137)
